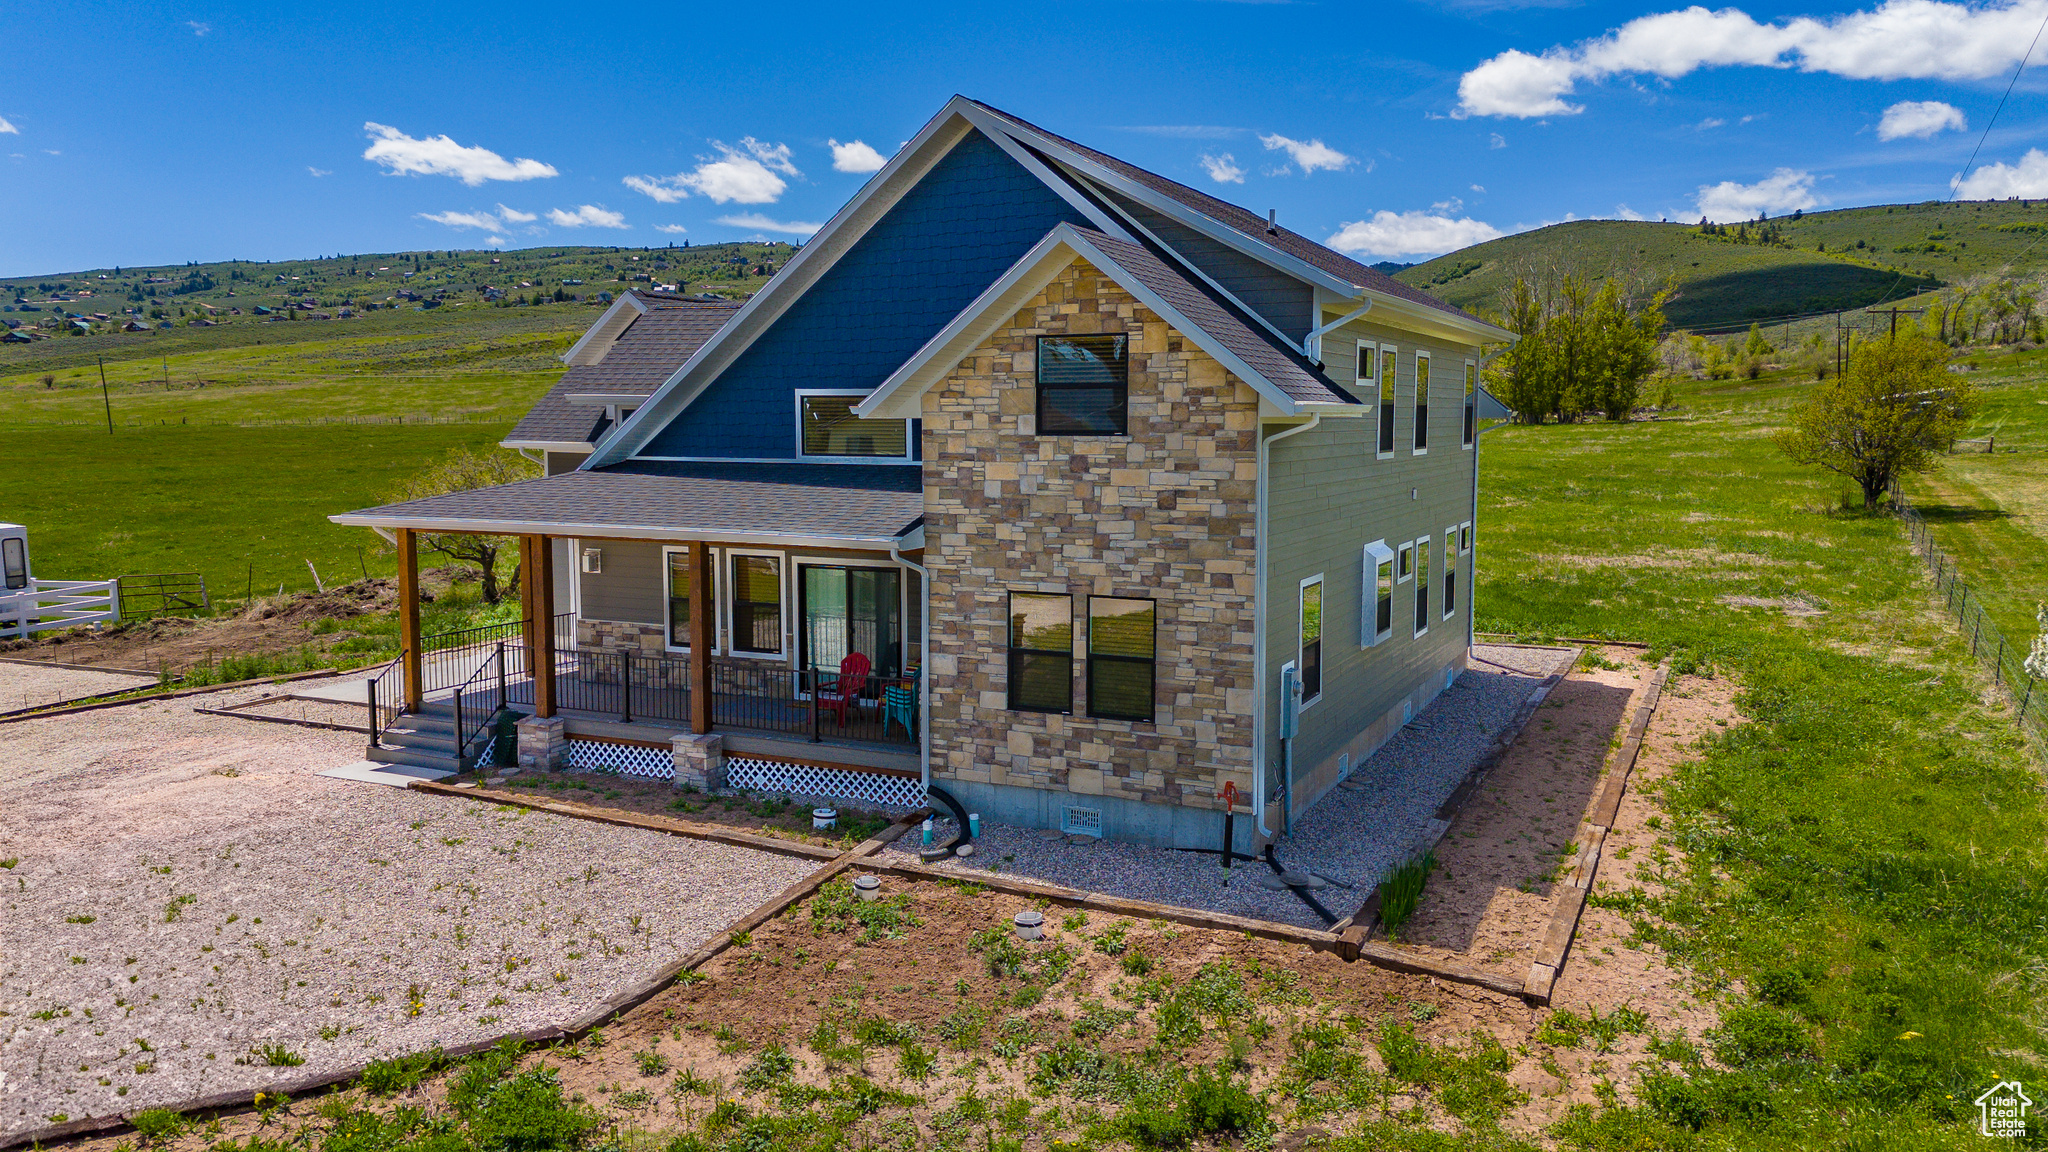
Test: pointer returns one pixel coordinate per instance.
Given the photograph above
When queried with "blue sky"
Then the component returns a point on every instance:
(173, 131)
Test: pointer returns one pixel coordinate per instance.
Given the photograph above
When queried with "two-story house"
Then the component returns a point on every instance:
(1089, 470)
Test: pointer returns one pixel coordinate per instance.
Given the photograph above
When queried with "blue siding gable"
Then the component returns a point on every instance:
(962, 226)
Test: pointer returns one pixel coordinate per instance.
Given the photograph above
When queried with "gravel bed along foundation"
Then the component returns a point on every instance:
(181, 890)
(1356, 832)
(24, 687)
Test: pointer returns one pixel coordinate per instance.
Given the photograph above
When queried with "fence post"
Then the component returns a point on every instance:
(814, 701)
(371, 684)
(501, 675)
(1998, 662)
(461, 737)
(625, 687)
(2024, 700)
(1976, 630)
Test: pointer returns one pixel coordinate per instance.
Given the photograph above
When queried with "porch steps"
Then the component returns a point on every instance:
(425, 739)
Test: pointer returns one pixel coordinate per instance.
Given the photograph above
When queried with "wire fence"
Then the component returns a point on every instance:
(1988, 646)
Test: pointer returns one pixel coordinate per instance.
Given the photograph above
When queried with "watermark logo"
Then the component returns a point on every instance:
(2002, 1110)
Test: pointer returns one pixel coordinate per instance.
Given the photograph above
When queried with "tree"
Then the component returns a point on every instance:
(1889, 414)
(1756, 347)
(462, 470)
(1580, 351)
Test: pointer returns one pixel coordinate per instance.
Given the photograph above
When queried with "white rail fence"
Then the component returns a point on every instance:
(58, 604)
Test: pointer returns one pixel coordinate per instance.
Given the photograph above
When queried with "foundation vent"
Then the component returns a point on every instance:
(1086, 821)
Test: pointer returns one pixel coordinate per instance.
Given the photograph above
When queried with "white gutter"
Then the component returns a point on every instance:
(924, 659)
(1312, 344)
(1259, 627)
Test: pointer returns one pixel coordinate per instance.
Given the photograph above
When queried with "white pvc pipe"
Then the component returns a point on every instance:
(924, 661)
(1259, 627)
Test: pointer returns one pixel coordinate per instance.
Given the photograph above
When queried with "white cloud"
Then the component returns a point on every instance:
(496, 241)
(7, 129)
(1784, 190)
(1222, 169)
(587, 216)
(1920, 119)
(441, 156)
(319, 171)
(1308, 155)
(198, 29)
(1496, 140)
(1389, 234)
(483, 220)
(1624, 212)
(1710, 122)
(1479, 189)
(2028, 178)
(854, 156)
(746, 174)
(1451, 205)
(515, 216)
(762, 223)
(671, 229)
(1897, 40)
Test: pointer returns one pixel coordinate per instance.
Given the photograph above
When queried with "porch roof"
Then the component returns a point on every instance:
(829, 505)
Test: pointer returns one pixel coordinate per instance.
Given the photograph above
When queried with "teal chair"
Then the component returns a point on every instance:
(899, 705)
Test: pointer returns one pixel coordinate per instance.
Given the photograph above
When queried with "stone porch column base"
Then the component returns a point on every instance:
(543, 744)
(700, 761)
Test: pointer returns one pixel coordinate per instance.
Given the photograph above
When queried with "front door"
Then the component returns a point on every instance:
(847, 610)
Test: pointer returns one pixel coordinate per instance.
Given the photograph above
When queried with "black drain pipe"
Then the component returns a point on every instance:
(1273, 862)
(940, 851)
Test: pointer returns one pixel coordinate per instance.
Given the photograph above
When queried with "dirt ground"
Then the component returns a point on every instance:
(769, 816)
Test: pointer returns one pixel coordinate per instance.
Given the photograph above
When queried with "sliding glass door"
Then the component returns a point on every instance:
(847, 610)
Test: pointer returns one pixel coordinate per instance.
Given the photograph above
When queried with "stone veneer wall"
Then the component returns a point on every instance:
(1166, 513)
(637, 640)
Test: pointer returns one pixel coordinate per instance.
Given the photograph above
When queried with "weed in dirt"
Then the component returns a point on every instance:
(400, 1073)
(688, 1083)
(1401, 890)
(837, 908)
(963, 1027)
(769, 1069)
(1469, 1083)
(158, 1125)
(1112, 941)
(1135, 963)
(274, 1056)
(650, 1062)
(176, 907)
(80, 919)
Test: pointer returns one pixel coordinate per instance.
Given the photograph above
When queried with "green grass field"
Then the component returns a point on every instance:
(1862, 881)
(1835, 260)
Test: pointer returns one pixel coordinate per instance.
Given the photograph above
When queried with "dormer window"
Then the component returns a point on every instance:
(827, 429)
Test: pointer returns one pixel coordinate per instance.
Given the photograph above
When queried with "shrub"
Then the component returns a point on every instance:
(527, 1112)
(1401, 890)
(1675, 1100)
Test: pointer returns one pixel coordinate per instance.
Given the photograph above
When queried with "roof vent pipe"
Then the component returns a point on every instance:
(1272, 221)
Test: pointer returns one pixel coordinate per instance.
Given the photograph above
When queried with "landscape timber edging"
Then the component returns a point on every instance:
(689, 828)
(611, 1007)
(1578, 881)
(1380, 955)
(1583, 641)
(239, 711)
(19, 717)
(108, 668)
(1354, 930)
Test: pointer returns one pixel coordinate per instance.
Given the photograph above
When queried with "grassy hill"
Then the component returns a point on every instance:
(1823, 261)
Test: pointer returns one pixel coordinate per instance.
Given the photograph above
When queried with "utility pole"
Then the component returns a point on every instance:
(104, 398)
(1894, 312)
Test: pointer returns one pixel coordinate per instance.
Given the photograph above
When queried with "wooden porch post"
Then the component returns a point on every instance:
(409, 615)
(702, 604)
(529, 612)
(541, 563)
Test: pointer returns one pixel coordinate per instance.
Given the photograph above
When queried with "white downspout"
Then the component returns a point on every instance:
(924, 659)
(1312, 344)
(1259, 628)
(1472, 582)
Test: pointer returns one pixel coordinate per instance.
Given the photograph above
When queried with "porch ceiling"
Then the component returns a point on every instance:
(861, 506)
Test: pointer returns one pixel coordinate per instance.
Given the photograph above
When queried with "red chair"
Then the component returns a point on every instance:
(853, 677)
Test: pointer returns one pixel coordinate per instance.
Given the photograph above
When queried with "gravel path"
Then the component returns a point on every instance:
(1353, 835)
(182, 888)
(23, 687)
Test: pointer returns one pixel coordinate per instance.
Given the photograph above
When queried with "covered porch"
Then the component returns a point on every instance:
(783, 615)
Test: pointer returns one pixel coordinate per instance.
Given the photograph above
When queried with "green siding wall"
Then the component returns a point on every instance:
(1328, 495)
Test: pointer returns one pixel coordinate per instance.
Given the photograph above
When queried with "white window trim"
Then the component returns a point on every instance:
(1300, 644)
(714, 559)
(725, 605)
(1415, 392)
(1389, 351)
(909, 449)
(1405, 548)
(1365, 346)
(1465, 538)
(1421, 584)
(1451, 555)
(1472, 367)
(1374, 555)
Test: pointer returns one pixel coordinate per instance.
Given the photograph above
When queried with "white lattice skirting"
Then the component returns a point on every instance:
(752, 775)
(622, 759)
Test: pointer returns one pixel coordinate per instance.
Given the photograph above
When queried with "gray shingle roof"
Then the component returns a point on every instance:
(1214, 315)
(651, 348)
(1247, 222)
(672, 500)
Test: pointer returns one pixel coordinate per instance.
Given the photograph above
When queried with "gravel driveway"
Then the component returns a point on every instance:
(23, 687)
(182, 889)
(1352, 835)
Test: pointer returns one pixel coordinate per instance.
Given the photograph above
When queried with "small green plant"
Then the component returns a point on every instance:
(80, 919)
(158, 1125)
(400, 1073)
(651, 1062)
(1401, 890)
(276, 1056)
(176, 907)
(770, 1068)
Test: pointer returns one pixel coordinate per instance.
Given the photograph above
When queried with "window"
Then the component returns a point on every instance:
(679, 600)
(1450, 571)
(757, 605)
(1082, 385)
(1471, 402)
(1405, 571)
(1368, 367)
(14, 558)
(1422, 586)
(827, 429)
(1041, 652)
(1422, 401)
(1465, 538)
(1376, 613)
(1388, 359)
(1310, 659)
(1122, 646)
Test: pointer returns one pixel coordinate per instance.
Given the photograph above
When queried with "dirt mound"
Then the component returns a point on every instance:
(346, 602)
